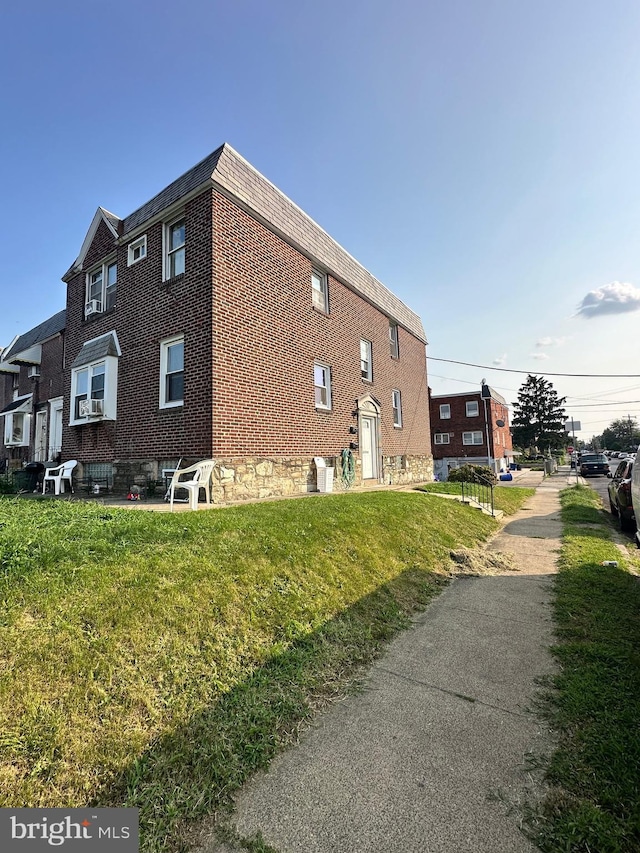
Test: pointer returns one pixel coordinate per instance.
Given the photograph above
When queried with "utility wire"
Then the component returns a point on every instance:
(541, 372)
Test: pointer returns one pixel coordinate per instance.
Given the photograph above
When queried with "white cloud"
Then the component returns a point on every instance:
(539, 356)
(550, 342)
(500, 360)
(614, 298)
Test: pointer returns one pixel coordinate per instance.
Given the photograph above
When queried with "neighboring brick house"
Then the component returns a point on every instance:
(31, 388)
(218, 320)
(472, 427)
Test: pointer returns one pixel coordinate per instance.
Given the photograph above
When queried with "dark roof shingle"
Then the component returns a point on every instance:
(53, 326)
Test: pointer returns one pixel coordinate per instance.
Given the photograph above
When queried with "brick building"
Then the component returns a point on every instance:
(218, 320)
(472, 427)
(31, 392)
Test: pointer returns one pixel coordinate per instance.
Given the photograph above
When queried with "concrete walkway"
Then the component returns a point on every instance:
(428, 757)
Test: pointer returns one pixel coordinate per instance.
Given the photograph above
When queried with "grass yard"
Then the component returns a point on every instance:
(506, 498)
(594, 804)
(156, 660)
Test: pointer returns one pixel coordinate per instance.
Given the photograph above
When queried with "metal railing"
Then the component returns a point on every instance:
(481, 492)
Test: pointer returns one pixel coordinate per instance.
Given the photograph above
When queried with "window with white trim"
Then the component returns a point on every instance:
(172, 372)
(472, 408)
(445, 411)
(137, 250)
(88, 384)
(320, 291)
(101, 289)
(366, 365)
(174, 246)
(396, 402)
(393, 340)
(322, 385)
(474, 437)
(17, 428)
(441, 438)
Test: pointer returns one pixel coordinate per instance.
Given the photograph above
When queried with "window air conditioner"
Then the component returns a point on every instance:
(94, 306)
(91, 408)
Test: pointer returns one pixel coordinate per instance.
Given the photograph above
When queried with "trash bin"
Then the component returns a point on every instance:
(324, 480)
(32, 471)
(513, 466)
(21, 480)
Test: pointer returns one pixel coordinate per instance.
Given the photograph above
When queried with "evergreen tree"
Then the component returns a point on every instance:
(539, 416)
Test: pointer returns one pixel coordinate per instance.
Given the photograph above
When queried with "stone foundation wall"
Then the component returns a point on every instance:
(248, 478)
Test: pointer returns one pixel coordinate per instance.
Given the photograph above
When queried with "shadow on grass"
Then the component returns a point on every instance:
(593, 801)
(193, 772)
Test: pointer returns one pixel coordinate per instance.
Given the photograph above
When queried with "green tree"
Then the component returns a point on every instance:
(621, 434)
(539, 416)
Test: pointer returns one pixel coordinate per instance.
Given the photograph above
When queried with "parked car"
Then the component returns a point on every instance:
(593, 465)
(620, 495)
(635, 493)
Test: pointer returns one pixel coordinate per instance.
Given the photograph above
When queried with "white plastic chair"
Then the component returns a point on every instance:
(201, 479)
(58, 475)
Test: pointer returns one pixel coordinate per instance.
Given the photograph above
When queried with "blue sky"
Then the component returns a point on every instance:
(480, 158)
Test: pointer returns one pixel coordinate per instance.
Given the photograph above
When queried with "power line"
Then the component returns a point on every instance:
(541, 372)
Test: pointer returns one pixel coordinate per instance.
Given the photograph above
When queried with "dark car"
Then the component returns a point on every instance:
(593, 465)
(620, 495)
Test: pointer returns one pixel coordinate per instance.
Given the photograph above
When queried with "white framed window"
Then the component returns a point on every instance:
(322, 385)
(17, 428)
(393, 340)
(94, 381)
(174, 248)
(441, 438)
(88, 391)
(137, 250)
(445, 411)
(472, 408)
(172, 372)
(320, 291)
(396, 402)
(474, 437)
(366, 365)
(101, 289)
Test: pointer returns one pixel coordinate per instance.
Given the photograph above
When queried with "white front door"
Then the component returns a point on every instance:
(41, 436)
(55, 429)
(368, 448)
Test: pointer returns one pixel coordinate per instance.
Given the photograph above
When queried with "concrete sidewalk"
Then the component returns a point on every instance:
(429, 755)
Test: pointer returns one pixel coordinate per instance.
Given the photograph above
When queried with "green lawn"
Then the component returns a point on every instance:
(594, 802)
(156, 660)
(506, 498)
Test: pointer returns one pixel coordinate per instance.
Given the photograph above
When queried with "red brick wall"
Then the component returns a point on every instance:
(148, 311)
(244, 305)
(267, 336)
(459, 423)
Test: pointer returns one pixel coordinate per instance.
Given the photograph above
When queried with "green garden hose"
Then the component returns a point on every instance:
(348, 465)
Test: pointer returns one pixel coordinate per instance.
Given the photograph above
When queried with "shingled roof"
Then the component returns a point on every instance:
(225, 169)
(53, 326)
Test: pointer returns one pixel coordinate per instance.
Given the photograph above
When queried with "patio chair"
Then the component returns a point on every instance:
(58, 475)
(200, 479)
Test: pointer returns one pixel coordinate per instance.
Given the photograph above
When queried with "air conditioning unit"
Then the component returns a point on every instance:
(91, 408)
(34, 371)
(94, 306)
